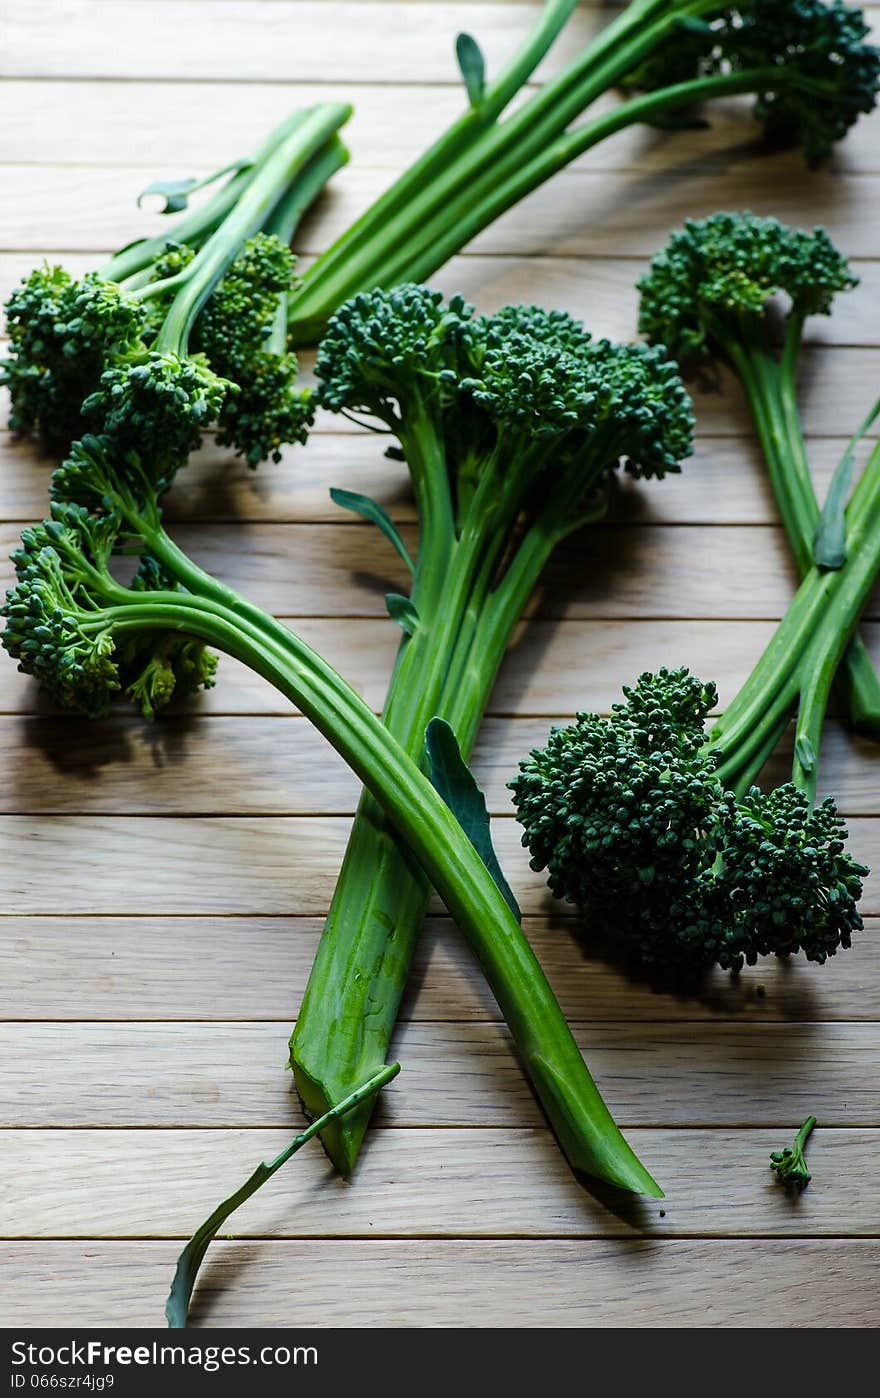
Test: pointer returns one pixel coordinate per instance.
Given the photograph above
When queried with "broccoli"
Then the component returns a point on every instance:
(806, 62)
(707, 296)
(87, 637)
(657, 830)
(511, 426)
(179, 332)
(789, 1164)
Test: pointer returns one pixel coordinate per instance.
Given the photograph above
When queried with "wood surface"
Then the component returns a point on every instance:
(162, 887)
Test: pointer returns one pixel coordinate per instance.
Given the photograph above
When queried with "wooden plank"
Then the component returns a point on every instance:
(553, 668)
(168, 865)
(770, 1284)
(611, 572)
(581, 212)
(255, 968)
(431, 1183)
(305, 41)
(203, 122)
(454, 1074)
(275, 767)
(601, 291)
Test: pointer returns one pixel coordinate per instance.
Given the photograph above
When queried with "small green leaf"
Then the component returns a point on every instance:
(190, 1260)
(805, 753)
(454, 781)
(176, 192)
(401, 610)
(371, 509)
(829, 540)
(472, 67)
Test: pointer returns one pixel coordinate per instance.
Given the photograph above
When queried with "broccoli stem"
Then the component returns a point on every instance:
(795, 672)
(579, 1117)
(771, 391)
(447, 670)
(194, 284)
(201, 221)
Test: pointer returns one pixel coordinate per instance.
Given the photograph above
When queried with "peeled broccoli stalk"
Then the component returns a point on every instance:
(806, 62)
(511, 426)
(789, 1164)
(191, 332)
(85, 636)
(656, 831)
(707, 296)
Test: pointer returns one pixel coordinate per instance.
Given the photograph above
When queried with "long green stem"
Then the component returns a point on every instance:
(204, 218)
(579, 1117)
(194, 284)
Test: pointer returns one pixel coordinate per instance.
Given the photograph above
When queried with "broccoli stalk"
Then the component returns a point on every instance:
(86, 636)
(789, 1164)
(805, 61)
(510, 426)
(707, 295)
(657, 832)
(177, 332)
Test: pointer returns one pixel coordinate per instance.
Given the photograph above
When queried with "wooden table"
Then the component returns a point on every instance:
(162, 887)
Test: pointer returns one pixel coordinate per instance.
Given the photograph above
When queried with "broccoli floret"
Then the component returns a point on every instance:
(789, 1164)
(708, 291)
(630, 819)
(815, 75)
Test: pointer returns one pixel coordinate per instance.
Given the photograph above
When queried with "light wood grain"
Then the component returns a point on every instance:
(221, 865)
(442, 1182)
(440, 1284)
(255, 969)
(455, 1074)
(620, 572)
(272, 766)
(579, 212)
(201, 122)
(723, 483)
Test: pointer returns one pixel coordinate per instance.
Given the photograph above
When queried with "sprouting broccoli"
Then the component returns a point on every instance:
(176, 333)
(511, 426)
(708, 296)
(806, 62)
(789, 1164)
(657, 830)
(87, 637)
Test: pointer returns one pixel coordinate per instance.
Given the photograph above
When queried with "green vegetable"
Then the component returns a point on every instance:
(182, 331)
(190, 1260)
(657, 831)
(86, 636)
(707, 295)
(511, 426)
(805, 62)
(789, 1163)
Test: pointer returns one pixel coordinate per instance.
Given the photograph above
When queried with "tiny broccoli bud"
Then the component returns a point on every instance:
(789, 1164)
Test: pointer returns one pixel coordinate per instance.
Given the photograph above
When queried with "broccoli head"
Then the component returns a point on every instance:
(815, 74)
(789, 1164)
(632, 824)
(716, 276)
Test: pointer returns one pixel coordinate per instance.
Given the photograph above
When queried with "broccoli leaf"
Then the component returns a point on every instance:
(401, 610)
(190, 1260)
(472, 67)
(176, 192)
(454, 781)
(371, 509)
(829, 541)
